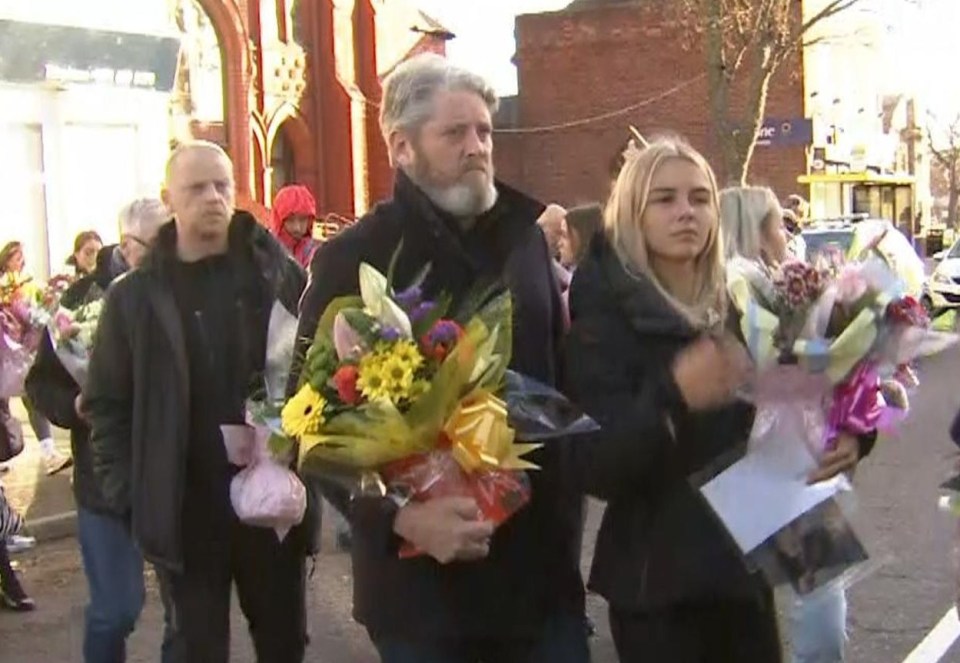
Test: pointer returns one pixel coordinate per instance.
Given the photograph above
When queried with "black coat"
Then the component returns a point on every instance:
(659, 544)
(53, 391)
(138, 392)
(532, 568)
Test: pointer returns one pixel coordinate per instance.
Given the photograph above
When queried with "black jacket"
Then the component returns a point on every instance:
(532, 569)
(137, 396)
(53, 392)
(659, 544)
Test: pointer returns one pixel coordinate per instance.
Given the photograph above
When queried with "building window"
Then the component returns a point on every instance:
(281, 162)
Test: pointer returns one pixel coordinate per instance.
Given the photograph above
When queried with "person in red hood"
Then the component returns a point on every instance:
(291, 221)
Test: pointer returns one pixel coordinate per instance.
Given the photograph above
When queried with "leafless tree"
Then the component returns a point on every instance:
(745, 42)
(945, 149)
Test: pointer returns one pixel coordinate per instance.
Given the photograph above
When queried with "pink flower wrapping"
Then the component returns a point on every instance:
(856, 407)
(265, 493)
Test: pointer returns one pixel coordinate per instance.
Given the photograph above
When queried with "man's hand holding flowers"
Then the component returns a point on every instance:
(446, 528)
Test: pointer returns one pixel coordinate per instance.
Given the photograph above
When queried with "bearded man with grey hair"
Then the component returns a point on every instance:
(477, 595)
(111, 561)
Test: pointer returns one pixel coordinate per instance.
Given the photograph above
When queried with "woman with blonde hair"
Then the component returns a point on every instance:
(756, 243)
(650, 357)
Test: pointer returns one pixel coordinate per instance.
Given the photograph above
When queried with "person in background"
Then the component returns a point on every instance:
(508, 595)
(799, 206)
(796, 244)
(757, 241)
(13, 275)
(86, 246)
(551, 223)
(292, 218)
(111, 562)
(12, 594)
(580, 225)
(180, 347)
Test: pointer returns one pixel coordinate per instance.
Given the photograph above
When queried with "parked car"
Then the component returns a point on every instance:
(942, 289)
(853, 236)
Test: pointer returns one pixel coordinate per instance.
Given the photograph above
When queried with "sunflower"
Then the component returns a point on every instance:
(303, 414)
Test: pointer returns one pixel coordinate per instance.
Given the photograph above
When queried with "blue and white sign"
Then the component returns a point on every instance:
(783, 133)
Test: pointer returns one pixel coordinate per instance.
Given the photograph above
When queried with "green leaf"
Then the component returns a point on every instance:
(280, 446)
(476, 299)
(391, 269)
(426, 323)
(325, 326)
(361, 323)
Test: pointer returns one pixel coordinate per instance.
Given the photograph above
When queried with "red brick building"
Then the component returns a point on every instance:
(301, 87)
(587, 72)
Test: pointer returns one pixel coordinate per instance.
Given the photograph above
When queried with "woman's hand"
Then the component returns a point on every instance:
(842, 458)
(709, 372)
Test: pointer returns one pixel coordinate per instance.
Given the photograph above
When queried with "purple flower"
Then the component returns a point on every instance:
(409, 298)
(422, 310)
(444, 332)
(390, 334)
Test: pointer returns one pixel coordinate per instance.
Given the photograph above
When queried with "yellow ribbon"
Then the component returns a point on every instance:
(481, 438)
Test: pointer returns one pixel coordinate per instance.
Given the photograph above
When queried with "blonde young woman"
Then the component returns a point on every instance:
(650, 357)
(756, 241)
(653, 355)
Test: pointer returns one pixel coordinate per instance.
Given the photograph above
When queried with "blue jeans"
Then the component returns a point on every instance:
(564, 640)
(114, 570)
(818, 626)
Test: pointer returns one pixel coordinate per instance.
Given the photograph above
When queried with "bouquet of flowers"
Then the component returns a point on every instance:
(266, 492)
(832, 345)
(25, 311)
(402, 393)
(71, 332)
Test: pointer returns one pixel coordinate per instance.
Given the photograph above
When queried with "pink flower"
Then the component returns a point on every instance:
(798, 283)
(851, 285)
(346, 340)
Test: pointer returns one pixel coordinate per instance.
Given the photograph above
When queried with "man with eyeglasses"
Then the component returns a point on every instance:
(112, 563)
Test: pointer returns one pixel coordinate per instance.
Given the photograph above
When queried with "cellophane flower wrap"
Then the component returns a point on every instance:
(266, 492)
(71, 334)
(399, 392)
(26, 308)
(832, 344)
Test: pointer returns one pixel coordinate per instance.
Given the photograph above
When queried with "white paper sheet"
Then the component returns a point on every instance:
(766, 490)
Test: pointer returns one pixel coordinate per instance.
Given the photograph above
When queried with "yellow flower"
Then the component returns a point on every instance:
(388, 372)
(303, 414)
(408, 352)
(398, 377)
(370, 378)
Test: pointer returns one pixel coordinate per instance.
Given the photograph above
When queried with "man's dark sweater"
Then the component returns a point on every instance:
(216, 311)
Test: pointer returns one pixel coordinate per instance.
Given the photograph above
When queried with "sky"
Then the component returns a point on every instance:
(919, 41)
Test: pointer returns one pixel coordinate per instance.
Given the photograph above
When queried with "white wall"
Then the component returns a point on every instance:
(99, 148)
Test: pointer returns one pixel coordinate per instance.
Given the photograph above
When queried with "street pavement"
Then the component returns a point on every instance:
(892, 608)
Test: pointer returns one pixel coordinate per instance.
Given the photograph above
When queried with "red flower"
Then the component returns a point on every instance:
(908, 311)
(345, 380)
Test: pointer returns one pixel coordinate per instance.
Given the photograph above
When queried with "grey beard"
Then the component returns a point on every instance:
(461, 200)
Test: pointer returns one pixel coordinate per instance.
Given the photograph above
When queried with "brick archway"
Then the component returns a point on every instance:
(288, 120)
(227, 21)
